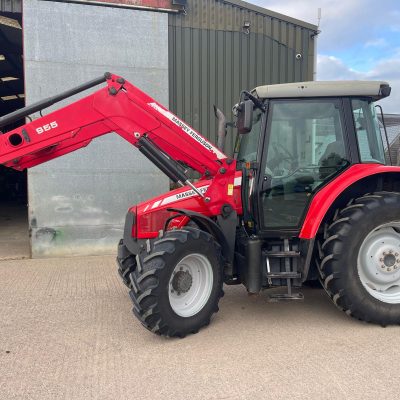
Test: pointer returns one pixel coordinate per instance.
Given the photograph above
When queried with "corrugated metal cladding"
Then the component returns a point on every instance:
(212, 57)
(14, 6)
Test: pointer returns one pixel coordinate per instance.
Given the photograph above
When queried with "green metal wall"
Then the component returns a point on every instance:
(211, 58)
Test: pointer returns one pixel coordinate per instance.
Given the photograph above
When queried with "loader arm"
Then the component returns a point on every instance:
(122, 108)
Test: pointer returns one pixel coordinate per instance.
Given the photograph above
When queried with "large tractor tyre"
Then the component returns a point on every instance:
(126, 266)
(177, 283)
(360, 259)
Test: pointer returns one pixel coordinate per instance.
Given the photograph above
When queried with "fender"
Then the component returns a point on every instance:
(207, 224)
(323, 200)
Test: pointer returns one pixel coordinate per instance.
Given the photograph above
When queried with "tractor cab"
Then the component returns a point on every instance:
(306, 135)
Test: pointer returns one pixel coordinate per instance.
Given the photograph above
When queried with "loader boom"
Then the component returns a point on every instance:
(122, 108)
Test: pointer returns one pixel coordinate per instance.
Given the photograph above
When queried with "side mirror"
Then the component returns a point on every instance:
(245, 117)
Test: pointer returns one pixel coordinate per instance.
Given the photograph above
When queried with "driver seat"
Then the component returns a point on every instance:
(332, 159)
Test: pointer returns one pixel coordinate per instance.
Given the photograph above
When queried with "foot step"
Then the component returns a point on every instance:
(283, 254)
(275, 298)
(284, 275)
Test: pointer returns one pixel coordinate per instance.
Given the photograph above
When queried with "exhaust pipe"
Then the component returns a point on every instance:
(221, 135)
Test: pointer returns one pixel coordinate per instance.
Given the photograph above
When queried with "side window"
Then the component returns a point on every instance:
(247, 145)
(369, 135)
(305, 149)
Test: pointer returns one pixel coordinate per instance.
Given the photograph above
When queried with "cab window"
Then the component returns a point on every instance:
(305, 149)
(369, 137)
(247, 145)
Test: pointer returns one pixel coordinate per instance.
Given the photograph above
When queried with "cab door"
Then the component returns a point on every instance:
(304, 148)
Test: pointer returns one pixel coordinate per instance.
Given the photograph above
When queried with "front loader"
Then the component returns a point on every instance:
(307, 195)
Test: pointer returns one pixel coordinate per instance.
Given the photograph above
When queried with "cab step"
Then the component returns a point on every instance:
(283, 254)
(290, 274)
(284, 275)
(275, 298)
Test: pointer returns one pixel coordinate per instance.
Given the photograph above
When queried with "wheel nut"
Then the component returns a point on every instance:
(389, 269)
(381, 259)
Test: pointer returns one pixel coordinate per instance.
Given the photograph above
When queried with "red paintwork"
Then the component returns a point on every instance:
(130, 113)
(154, 210)
(325, 197)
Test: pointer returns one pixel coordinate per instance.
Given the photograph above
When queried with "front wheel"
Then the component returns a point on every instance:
(177, 282)
(126, 262)
(360, 264)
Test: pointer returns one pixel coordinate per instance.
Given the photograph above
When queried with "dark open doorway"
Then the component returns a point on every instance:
(14, 236)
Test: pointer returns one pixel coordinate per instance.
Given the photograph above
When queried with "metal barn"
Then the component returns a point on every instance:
(188, 54)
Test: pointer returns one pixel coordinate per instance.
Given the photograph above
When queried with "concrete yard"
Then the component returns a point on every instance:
(67, 332)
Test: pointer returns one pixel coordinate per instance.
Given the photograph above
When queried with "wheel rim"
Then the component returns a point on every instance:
(379, 263)
(190, 285)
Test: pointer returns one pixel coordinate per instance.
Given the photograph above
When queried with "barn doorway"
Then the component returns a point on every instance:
(14, 230)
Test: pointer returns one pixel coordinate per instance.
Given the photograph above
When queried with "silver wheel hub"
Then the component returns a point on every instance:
(181, 282)
(379, 263)
(190, 285)
(390, 261)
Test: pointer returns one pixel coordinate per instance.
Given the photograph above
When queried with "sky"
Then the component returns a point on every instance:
(359, 39)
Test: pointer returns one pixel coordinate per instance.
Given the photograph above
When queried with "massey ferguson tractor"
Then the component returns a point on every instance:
(308, 194)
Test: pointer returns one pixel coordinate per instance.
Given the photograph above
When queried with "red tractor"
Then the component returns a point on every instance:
(307, 195)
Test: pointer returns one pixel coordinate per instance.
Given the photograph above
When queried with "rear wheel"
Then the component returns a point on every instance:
(360, 258)
(379, 263)
(177, 283)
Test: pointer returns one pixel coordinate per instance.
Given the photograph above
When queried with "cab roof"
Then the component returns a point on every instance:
(374, 89)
